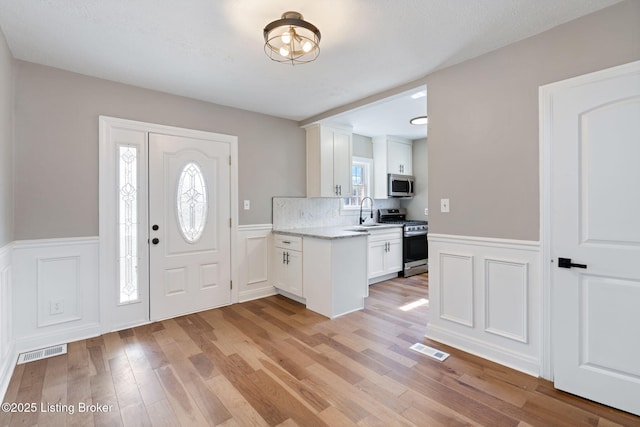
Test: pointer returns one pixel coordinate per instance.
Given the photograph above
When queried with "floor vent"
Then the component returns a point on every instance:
(428, 351)
(42, 353)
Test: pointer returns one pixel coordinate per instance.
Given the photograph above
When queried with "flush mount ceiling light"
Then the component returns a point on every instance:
(420, 120)
(291, 39)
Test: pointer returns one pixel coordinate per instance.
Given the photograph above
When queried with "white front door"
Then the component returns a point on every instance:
(595, 222)
(189, 220)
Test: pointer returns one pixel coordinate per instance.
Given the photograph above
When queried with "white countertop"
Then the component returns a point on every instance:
(334, 232)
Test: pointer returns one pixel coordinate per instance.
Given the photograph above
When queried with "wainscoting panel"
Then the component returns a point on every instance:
(485, 298)
(7, 345)
(507, 299)
(254, 248)
(56, 291)
(456, 285)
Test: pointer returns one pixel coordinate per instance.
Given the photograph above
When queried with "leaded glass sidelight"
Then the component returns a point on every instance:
(128, 223)
(191, 202)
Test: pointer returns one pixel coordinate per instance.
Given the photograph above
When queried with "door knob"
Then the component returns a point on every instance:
(155, 227)
(566, 263)
(155, 241)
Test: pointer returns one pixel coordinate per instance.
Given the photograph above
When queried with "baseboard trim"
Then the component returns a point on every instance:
(517, 361)
(6, 369)
(256, 294)
(51, 338)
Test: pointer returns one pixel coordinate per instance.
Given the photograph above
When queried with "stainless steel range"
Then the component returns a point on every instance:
(414, 242)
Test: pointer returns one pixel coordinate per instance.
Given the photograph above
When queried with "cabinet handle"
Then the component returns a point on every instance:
(287, 258)
(339, 190)
(283, 257)
(286, 242)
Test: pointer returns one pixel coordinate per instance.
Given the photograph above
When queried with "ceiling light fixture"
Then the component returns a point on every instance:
(291, 39)
(420, 120)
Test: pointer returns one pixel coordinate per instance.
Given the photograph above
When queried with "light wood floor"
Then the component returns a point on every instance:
(271, 362)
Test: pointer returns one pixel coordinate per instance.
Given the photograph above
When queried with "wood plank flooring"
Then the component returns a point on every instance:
(271, 362)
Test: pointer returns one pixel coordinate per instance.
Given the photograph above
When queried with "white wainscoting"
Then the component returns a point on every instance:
(8, 353)
(56, 291)
(485, 298)
(254, 249)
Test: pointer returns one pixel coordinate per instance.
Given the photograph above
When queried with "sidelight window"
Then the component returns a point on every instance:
(128, 223)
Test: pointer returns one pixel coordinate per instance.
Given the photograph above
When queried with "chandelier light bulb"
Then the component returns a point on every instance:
(286, 37)
(284, 52)
(307, 46)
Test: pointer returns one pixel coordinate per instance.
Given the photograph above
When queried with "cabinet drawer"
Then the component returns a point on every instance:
(293, 243)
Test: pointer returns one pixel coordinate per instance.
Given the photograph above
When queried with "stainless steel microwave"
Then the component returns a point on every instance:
(400, 185)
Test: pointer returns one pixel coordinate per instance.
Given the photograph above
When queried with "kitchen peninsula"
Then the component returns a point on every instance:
(319, 256)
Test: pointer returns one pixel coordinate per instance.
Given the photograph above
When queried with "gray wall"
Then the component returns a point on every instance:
(56, 149)
(483, 121)
(415, 206)
(6, 136)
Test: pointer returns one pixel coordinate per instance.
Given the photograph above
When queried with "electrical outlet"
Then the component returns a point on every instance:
(444, 205)
(57, 306)
(247, 205)
(426, 211)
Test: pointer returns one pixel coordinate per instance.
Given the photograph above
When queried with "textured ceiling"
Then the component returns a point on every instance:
(212, 50)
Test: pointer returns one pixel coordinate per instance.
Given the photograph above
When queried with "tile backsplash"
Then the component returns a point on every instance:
(300, 212)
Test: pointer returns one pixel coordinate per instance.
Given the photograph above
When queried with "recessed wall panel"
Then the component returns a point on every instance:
(506, 299)
(257, 259)
(456, 288)
(58, 290)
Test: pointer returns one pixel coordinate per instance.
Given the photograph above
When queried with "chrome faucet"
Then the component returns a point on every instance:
(371, 208)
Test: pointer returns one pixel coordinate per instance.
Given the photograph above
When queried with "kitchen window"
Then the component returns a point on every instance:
(361, 170)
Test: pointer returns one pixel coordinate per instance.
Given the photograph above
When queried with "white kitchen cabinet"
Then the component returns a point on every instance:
(385, 254)
(335, 275)
(328, 161)
(390, 155)
(287, 264)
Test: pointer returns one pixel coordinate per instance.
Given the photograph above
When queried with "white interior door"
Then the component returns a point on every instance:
(189, 219)
(595, 222)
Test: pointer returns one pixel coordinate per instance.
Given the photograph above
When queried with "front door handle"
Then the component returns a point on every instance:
(566, 263)
(155, 241)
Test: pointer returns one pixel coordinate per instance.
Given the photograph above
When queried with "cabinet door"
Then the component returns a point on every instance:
(342, 162)
(377, 254)
(279, 269)
(399, 157)
(393, 258)
(294, 272)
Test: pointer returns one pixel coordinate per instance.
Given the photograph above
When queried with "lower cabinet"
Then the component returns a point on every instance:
(385, 253)
(287, 264)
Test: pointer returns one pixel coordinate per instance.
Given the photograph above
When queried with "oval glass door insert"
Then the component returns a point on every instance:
(192, 203)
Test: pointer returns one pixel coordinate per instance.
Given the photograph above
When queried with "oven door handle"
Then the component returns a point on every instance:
(415, 233)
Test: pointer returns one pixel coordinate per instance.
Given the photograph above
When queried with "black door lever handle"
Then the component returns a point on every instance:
(566, 263)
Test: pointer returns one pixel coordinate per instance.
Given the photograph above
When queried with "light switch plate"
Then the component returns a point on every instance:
(247, 205)
(444, 205)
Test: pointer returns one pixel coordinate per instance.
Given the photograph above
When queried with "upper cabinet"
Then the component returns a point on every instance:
(328, 161)
(390, 155)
